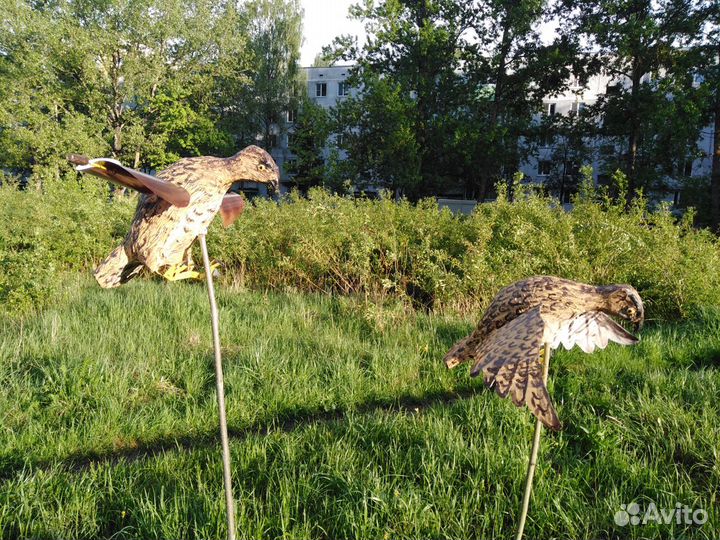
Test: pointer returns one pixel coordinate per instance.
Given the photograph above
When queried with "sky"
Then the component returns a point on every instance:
(323, 21)
(326, 19)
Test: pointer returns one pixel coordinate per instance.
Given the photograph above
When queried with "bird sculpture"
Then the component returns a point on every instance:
(175, 207)
(539, 312)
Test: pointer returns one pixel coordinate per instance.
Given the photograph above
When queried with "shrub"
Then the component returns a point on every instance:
(379, 248)
(45, 233)
(382, 249)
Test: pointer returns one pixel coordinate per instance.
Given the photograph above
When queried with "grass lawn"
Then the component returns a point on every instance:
(344, 424)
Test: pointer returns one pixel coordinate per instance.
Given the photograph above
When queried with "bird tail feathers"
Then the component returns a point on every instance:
(116, 269)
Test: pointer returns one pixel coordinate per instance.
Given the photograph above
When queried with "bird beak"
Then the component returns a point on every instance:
(78, 159)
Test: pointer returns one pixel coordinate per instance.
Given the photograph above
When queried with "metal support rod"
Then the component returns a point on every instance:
(534, 452)
(229, 502)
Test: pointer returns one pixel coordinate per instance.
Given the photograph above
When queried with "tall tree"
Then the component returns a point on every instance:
(41, 105)
(710, 88)
(307, 141)
(646, 47)
(571, 142)
(464, 79)
(274, 29)
(409, 74)
(514, 71)
(376, 132)
(135, 79)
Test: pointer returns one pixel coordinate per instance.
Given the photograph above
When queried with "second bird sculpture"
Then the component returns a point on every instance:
(176, 206)
(507, 344)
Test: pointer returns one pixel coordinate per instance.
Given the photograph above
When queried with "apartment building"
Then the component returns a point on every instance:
(543, 162)
(327, 86)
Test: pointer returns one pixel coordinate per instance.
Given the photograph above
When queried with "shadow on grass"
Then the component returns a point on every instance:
(283, 421)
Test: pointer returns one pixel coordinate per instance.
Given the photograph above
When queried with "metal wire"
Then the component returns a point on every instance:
(534, 452)
(229, 501)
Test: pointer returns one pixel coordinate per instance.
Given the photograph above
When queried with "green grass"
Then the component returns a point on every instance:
(344, 423)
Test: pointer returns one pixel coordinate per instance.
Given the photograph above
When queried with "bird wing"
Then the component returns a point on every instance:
(509, 359)
(460, 352)
(590, 330)
(114, 171)
(231, 207)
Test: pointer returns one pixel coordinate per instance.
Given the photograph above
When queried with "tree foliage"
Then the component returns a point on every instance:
(145, 81)
(449, 92)
(275, 33)
(409, 74)
(307, 143)
(449, 88)
(651, 112)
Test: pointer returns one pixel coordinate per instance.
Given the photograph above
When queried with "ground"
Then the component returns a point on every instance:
(344, 424)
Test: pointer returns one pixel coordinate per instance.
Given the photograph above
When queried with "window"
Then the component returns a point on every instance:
(578, 107)
(572, 169)
(292, 116)
(544, 167)
(320, 89)
(273, 140)
(687, 170)
(550, 109)
(546, 140)
(290, 140)
(343, 89)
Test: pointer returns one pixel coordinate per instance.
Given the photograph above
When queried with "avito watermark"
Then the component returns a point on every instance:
(633, 514)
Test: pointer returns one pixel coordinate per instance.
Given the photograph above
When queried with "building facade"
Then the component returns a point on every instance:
(545, 162)
(327, 86)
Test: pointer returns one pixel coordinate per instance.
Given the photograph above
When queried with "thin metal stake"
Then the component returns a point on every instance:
(229, 502)
(534, 452)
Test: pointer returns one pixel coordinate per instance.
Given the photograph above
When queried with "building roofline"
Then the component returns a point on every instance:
(328, 67)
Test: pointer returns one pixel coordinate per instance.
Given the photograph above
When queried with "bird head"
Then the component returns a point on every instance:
(624, 301)
(253, 164)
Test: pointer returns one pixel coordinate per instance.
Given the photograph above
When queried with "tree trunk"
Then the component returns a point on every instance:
(564, 174)
(640, 10)
(715, 174)
(496, 113)
(423, 81)
(117, 141)
(634, 135)
(482, 187)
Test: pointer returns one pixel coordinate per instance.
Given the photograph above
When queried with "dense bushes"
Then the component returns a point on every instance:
(382, 249)
(44, 234)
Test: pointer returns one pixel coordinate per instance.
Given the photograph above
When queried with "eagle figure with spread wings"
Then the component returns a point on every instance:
(175, 207)
(506, 346)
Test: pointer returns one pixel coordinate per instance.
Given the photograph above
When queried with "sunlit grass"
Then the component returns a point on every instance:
(344, 423)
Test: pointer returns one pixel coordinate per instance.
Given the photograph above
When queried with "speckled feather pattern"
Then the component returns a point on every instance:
(161, 233)
(506, 345)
